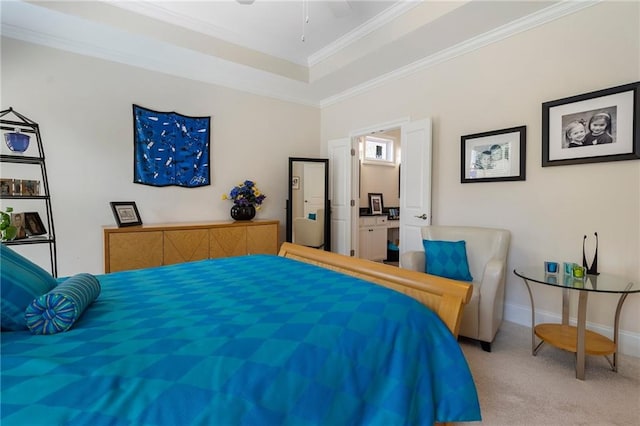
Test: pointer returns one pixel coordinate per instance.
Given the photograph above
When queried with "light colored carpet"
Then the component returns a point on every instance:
(516, 388)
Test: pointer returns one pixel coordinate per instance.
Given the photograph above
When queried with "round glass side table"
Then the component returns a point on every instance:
(577, 339)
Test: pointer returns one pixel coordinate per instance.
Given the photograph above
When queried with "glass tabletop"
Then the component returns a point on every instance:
(605, 283)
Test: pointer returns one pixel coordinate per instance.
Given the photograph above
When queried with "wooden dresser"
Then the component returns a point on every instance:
(164, 244)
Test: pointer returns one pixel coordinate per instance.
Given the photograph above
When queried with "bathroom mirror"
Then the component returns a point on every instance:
(308, 203)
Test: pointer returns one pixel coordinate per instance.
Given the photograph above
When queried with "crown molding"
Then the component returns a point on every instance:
(211, 70)
(77, 36)
(155, 10)
(363, 30)
(536, 19)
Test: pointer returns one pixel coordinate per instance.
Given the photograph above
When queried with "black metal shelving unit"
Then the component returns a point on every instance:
(12, 121)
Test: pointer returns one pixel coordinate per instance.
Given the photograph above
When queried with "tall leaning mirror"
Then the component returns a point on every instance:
(308, 203)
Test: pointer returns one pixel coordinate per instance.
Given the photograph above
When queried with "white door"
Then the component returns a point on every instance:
(341, 163)
(313, 187)
(415, 183)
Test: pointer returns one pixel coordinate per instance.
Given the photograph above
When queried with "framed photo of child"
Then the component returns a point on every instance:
(593, 127)
(33, 224)
(494, 156)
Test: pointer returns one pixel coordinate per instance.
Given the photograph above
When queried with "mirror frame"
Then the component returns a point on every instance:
(327, 203)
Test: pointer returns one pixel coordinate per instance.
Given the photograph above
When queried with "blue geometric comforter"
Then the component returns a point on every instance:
(251, 340)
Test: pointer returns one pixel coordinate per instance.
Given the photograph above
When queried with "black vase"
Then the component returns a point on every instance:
(243, 212)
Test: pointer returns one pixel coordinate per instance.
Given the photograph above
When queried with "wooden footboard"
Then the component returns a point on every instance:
(444, 296)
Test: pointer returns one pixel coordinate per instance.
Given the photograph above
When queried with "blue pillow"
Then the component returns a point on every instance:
(312, 216)
(21, 281)
(447, 259)
(60, 308)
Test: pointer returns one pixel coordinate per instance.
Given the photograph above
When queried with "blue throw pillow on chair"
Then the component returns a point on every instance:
(447, 259)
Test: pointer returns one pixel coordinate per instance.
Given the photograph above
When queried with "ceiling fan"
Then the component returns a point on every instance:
(338, 8)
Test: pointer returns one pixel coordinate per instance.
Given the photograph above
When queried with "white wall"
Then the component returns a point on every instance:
(503, 85)
(84, 109)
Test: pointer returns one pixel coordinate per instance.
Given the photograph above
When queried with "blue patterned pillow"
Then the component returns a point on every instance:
(447, 259)
(60, 308)
(21, 281)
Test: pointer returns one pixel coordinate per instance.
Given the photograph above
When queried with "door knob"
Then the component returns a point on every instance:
(423, 216)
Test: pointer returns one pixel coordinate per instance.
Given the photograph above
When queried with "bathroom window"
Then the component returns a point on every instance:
(376, 150)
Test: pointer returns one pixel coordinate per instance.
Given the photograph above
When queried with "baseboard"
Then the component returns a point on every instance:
(628, 342)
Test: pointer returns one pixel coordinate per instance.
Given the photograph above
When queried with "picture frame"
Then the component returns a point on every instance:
(17, 187)
(394, 213)
(594, 127)
(295, 182)
(30, 187)
(375, 203)
(17, 220)
(33, 224)
(6, 186)
(494, 156)
(126, 213)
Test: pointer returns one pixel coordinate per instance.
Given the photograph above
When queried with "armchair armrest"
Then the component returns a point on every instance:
(414, 260)
(492, 277)
(491, 300)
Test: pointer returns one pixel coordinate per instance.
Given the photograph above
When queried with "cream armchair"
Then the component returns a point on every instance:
(309, 232)
(487, 251)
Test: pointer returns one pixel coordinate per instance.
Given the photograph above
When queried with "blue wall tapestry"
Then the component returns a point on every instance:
(170, 148)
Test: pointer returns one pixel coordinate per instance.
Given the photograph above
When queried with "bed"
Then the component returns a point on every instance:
(302, 338)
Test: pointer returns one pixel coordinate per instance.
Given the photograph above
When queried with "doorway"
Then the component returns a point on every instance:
(379, 168)
(415, 185)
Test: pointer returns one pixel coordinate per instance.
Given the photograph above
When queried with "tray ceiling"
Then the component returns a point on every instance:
(348, 47)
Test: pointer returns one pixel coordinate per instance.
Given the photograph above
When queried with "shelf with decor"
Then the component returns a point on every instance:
(26, 186)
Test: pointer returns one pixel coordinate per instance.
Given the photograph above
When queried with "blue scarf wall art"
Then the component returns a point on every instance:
(170, 148)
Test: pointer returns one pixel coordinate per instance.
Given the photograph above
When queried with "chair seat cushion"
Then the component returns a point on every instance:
(447, 259)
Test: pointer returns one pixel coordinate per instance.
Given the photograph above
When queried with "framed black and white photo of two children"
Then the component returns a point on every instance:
(593, 127)
(494, 156)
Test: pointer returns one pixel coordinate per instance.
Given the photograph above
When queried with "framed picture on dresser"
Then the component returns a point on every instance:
(126, 213)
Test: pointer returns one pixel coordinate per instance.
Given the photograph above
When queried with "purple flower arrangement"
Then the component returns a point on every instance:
(245, 194)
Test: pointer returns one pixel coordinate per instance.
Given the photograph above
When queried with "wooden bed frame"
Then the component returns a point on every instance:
(444, 296)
